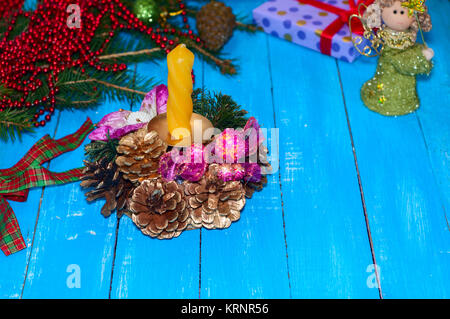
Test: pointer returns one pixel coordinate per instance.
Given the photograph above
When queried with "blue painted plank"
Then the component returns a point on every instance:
(72, 237)
(248, 260)
(328, 246)
(47, 277)
(326, 236)
(410, 233)
(13, 267)
(435, 96)
(153, 268)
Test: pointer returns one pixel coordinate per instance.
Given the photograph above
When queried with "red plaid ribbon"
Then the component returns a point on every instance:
(28, 173)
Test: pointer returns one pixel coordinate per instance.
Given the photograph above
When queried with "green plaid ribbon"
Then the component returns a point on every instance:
(28, 173)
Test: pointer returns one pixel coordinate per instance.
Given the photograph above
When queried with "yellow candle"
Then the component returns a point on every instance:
(179, 83)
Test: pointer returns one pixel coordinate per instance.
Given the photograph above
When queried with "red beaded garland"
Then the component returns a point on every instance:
(9, 6)
(50, 42)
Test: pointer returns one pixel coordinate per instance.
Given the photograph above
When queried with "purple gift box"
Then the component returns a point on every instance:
(303, 24)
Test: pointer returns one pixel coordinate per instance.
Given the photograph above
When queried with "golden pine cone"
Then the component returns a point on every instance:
(159, 208)
(213, 203)
(215, 24)
(140, 152)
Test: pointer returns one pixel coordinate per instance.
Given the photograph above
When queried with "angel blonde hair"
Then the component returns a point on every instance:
(373, 15)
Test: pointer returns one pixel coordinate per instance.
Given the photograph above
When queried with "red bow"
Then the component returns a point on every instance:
(343, 17)
(28, 173)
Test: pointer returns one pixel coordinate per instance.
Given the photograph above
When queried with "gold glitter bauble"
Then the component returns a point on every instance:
(146, 10)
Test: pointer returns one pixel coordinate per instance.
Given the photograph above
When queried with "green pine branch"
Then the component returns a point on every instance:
(5, 91)
(246, 27)
(15, 122)
(97, 150)
(215, 59)
(131, 49)
(19, 27)
(83, 90)
(79, 90)
(220, 109)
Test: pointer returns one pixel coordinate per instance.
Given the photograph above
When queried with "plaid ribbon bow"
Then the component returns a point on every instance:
(28, 173)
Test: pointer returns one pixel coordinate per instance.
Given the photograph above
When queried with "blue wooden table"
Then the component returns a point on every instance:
(354, 189)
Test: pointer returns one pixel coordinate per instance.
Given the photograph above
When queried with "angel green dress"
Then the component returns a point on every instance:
(392, 91)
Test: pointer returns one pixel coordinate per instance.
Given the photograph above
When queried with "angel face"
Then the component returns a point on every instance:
(396, 17)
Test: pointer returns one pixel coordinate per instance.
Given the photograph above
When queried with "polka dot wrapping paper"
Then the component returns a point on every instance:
(303, 24)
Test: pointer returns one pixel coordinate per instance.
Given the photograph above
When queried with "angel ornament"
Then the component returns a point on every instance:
(392, 90)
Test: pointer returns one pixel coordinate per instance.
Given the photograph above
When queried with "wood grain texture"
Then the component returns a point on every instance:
(153, 268)
(13, 267)
(326, 234)
(70, 231)
(248, 260)
(404, 204)
(434, 116)
(305, 235)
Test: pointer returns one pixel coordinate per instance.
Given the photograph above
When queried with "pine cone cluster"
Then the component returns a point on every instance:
(159, 208)
(162, 209)
(215, 24)
(140, 152)
(213, 203)
(107, 182)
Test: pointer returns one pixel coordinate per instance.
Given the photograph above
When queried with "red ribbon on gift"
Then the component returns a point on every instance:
(343, 17)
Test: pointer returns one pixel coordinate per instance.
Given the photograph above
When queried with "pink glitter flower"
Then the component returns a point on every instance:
(187, 164)
(120, 123)
(231, 172)
(229, 146)
(155, 102)
(117, 124)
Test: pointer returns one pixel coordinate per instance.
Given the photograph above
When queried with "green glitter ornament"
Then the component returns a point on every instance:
(392, 91)
(147, 11)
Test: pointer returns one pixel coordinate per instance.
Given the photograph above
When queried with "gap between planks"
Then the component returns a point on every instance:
(200, 235)
(279, 177)
(363, 201)
(116, 239)
(281, 195)
(279, 170)
(37, 218)
(432, 169)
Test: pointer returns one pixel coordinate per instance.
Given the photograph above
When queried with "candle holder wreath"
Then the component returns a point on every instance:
(181, 162)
